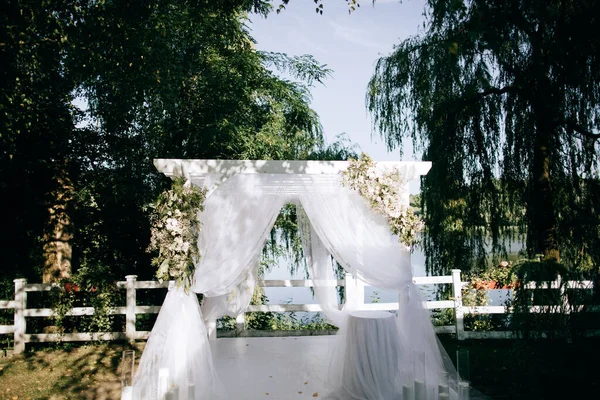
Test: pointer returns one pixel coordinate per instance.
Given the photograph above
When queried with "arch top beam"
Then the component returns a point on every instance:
(197, 168)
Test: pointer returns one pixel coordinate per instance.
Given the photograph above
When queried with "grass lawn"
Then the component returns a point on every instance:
(64, 372)
(501, 369)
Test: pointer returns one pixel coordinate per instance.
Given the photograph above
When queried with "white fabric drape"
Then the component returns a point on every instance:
(233, 303)
(178, 352)
(235, 223)
(239, 214)
(358, 238)
(363, 244)
(236, 220)
(320, 269)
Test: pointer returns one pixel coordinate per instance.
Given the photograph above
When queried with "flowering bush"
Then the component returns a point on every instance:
(382, 190)
(502, 276)
(89, 286)
(174, 232)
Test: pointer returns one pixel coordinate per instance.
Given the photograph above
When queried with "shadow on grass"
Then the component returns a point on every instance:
(66, 372)
(515, 369)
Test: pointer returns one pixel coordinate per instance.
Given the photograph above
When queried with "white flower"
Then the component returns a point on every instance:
(178, 243)
(383, 189)
(186, 247)
(173, 225)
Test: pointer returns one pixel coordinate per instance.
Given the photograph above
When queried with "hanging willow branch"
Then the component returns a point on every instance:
(504, 99)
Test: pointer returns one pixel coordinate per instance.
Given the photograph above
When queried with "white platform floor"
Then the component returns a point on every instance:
(273, 368)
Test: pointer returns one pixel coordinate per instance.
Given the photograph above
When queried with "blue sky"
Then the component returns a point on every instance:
(350, 45)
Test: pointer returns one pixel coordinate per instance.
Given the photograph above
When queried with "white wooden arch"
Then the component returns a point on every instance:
(202, 172)
(236, 221)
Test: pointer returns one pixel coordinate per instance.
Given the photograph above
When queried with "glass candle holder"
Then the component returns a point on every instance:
(127, 370)
(163, 383)
(408, 385)
(464, 390)
(444, 387)
(191, 383)
(462, 365)
(419, 374)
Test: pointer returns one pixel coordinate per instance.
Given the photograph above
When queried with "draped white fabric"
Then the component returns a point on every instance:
(320, 269)
(177, 354)
(362, 243)
(235, 223)
(233, 303)
(358, 238)
(238, 216)
(236, 220)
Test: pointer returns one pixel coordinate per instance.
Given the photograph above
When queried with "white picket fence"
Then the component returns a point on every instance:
(354, 293)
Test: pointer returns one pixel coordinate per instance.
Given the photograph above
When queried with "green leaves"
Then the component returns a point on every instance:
(352, 6)
(486, 93)
(105, 87)
(304, 68)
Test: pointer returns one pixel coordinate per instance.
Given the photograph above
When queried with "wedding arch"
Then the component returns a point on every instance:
(243, 200)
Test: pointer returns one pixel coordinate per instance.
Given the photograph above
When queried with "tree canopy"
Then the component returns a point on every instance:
(92, 91)
(504, 98)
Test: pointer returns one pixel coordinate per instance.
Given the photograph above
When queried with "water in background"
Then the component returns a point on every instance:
(303, 295)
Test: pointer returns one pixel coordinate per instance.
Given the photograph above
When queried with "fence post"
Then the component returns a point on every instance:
(130, 307)
(458, 304)
(211, 326)
(20, 306)
(240, 323)
(355, 292)
(564, 297)
(360, 293)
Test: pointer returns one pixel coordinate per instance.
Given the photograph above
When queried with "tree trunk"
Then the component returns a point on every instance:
(541, 230)
(57, 248)
(543, 221)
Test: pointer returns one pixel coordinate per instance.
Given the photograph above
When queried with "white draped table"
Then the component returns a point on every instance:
(365, 361)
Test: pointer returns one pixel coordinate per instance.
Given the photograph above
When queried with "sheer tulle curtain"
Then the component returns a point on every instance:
(236, 220)
(177, 355)
(358, 238)
(343, 225)
(320, 269)
(238, 216)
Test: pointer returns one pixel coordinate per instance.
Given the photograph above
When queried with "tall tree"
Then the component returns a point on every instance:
(504, 98)
(201, 91)
(36, 123)
(150, 79)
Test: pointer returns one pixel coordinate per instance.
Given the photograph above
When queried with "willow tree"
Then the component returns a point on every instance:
(504, 98)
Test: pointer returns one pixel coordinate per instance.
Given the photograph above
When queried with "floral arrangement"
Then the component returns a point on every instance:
(382, 190)
(502, 276)
(174, 232)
